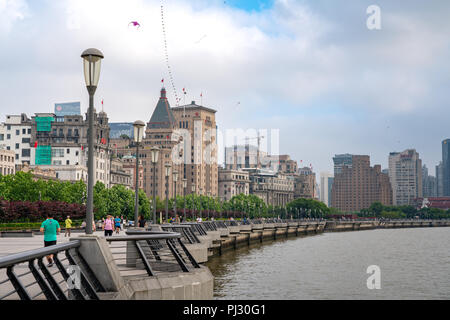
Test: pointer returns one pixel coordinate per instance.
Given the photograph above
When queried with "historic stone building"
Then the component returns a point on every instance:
(305, 184)
(129, 165)
(61, 144)
(357, 187)
(119, 175)
(232, 183)
(7, 160)
(186, 137)
(274, 188)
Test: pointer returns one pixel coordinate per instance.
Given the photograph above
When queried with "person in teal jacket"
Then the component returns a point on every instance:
(51, 229)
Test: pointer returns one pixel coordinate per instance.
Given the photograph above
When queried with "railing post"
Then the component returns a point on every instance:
(17, 284)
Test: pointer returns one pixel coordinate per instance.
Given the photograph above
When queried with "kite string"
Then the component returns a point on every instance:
(166, 53)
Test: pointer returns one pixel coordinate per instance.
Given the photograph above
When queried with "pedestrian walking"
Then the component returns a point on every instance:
(68, 223)
(108, 226)
(51, 229)
(141, 222)
(117, 224)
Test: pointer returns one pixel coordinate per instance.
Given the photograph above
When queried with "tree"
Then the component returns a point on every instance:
(376, 208)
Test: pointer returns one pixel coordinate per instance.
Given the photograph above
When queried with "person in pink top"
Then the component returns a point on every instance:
(108, 226)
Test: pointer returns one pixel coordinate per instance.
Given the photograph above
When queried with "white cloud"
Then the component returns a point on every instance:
(10, 12)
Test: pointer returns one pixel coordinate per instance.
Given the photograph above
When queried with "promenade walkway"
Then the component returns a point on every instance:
(16, 245)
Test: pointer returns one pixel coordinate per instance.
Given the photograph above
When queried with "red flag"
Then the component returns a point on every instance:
(201, 94)
(35, 144)
(162, 80)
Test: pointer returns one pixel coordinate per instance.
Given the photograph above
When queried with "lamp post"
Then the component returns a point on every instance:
(193, 201)
(201, 202)
(154, 154)
(138, 135)
(167, 166)
(184, 198)
(175, 179)
(209, 195)
(92, 59)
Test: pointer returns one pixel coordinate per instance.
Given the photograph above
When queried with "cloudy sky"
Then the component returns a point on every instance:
(311, 69)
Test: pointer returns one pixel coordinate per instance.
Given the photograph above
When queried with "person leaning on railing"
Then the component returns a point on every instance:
(50, 228)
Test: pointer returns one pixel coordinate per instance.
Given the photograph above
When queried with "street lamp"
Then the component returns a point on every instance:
(175, 179)
(154, 154)
(138, 135)
(92, 59)
(209, 195)
(167, 166)
(184, 197)
(201, 201)
(193, 200)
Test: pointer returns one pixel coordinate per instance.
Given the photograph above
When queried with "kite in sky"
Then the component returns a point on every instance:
(135, 24)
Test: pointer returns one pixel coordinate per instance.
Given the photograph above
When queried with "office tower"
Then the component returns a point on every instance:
(357, 187)
(405, 175)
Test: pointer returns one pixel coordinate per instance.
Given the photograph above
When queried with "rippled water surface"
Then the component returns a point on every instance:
(414, 263)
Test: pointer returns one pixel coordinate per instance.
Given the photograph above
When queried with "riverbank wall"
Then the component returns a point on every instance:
(236, 236)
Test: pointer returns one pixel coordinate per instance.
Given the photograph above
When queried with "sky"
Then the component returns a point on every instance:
(312, 70)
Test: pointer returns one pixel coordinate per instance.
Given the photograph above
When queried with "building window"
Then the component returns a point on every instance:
(17, 156)
(17, 132)
(67, 162)
(57, 153)
(17, 146)
(29, 131)
(68, 151)
(25, 152)
(8, 136)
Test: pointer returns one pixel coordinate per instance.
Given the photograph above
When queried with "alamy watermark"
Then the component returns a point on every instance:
(374, 280)
(238, 146)
(74, 280)
(374, 20)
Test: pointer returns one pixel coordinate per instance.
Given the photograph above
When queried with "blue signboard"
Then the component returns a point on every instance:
(67, 109)
(119, 128)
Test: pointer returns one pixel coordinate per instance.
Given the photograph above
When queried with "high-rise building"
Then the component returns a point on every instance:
(198, 123)
(446, 166)
(357, 187)
(440, 180)
(326, 182)
(428, 183)
(405, 175)
(341, 160)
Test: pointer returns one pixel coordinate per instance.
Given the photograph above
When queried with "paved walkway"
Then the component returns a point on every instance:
(16, 245)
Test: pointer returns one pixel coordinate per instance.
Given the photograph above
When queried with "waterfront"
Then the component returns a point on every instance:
(414, 264)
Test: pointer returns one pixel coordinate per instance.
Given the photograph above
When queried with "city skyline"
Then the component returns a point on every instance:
(373, 93)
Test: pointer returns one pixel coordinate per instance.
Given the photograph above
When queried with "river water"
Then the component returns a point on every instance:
(414, 264)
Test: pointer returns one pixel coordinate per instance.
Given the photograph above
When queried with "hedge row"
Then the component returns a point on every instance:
(15, 211)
